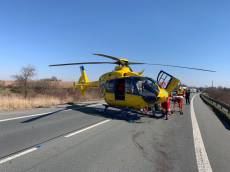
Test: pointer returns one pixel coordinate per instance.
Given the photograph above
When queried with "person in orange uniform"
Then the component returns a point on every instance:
(179, 98)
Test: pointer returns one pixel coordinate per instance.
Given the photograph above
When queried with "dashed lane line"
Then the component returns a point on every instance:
(27, 116)
(17, 155)
(87, 128)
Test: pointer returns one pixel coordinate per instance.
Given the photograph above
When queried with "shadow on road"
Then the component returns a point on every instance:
(42, 116)
(223, 119)
(110, 113)
(55, 112)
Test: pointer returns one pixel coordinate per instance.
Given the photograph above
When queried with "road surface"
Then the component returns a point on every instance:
(83, 138)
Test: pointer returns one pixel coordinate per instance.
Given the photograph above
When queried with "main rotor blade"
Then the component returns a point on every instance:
(82, 63)
(136, 63)
(107, 56)
(184, 67)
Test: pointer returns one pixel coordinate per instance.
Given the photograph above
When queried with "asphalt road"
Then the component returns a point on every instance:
(83, 138)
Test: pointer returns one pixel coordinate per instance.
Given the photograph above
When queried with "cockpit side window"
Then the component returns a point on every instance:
(129, 87)
(139, 86)
(146, 86)
(109, 86)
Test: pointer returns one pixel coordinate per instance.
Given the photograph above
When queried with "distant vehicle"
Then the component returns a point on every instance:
(193, 90)
(184, 88)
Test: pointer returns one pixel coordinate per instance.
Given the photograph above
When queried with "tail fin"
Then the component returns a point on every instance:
(84, 78)
(83, 81)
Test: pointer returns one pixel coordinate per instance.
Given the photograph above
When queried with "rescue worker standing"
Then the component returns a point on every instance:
(187, 96)
(180, 99)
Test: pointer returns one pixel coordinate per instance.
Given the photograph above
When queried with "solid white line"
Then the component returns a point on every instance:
(17, 155)
(28, 116)
(85, 129)
(201, 154)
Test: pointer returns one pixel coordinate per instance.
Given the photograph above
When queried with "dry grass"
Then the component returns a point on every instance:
(41, 93)
(221, 94)
(17, 102)
(65, 84)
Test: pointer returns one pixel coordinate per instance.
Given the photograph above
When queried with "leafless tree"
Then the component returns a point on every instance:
(26, 74)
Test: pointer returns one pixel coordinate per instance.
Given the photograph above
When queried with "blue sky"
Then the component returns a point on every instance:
(180, 32)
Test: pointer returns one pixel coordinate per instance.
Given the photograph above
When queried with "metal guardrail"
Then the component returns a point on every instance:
(218, 104)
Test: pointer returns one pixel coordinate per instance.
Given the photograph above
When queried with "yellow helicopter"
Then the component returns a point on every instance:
(124, 88)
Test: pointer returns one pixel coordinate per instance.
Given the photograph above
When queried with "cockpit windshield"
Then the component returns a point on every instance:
(146, 86)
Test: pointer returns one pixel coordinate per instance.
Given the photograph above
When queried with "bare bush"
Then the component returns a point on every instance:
(44, 86)
(222, 94)
(26, 74)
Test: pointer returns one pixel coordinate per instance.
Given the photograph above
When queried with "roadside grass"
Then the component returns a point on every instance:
(11, 102)
(220, 94)
(8, 103)
(4, 91)
(42, 93)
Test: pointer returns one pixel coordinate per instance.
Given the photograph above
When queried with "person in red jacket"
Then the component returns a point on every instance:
(166, 106)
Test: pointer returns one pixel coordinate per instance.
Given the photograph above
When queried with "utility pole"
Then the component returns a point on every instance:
(212, 84)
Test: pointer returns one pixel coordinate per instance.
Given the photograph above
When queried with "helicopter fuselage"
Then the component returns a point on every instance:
(134, 99)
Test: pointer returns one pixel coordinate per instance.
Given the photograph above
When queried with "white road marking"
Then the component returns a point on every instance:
(201, 154)
(17, 155)
(41, 114)
(67, 110)
(34, 149)
(87, 128)
(28, 116)
(93, 105)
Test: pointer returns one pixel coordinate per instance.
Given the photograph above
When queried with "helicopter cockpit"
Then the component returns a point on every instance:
(147, 88)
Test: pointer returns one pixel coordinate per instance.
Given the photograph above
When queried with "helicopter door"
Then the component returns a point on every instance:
(167, 81)
(119, 89)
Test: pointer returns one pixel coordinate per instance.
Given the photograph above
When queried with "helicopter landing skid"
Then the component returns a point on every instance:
(122, 109)
(152, 113)
(106, 107)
